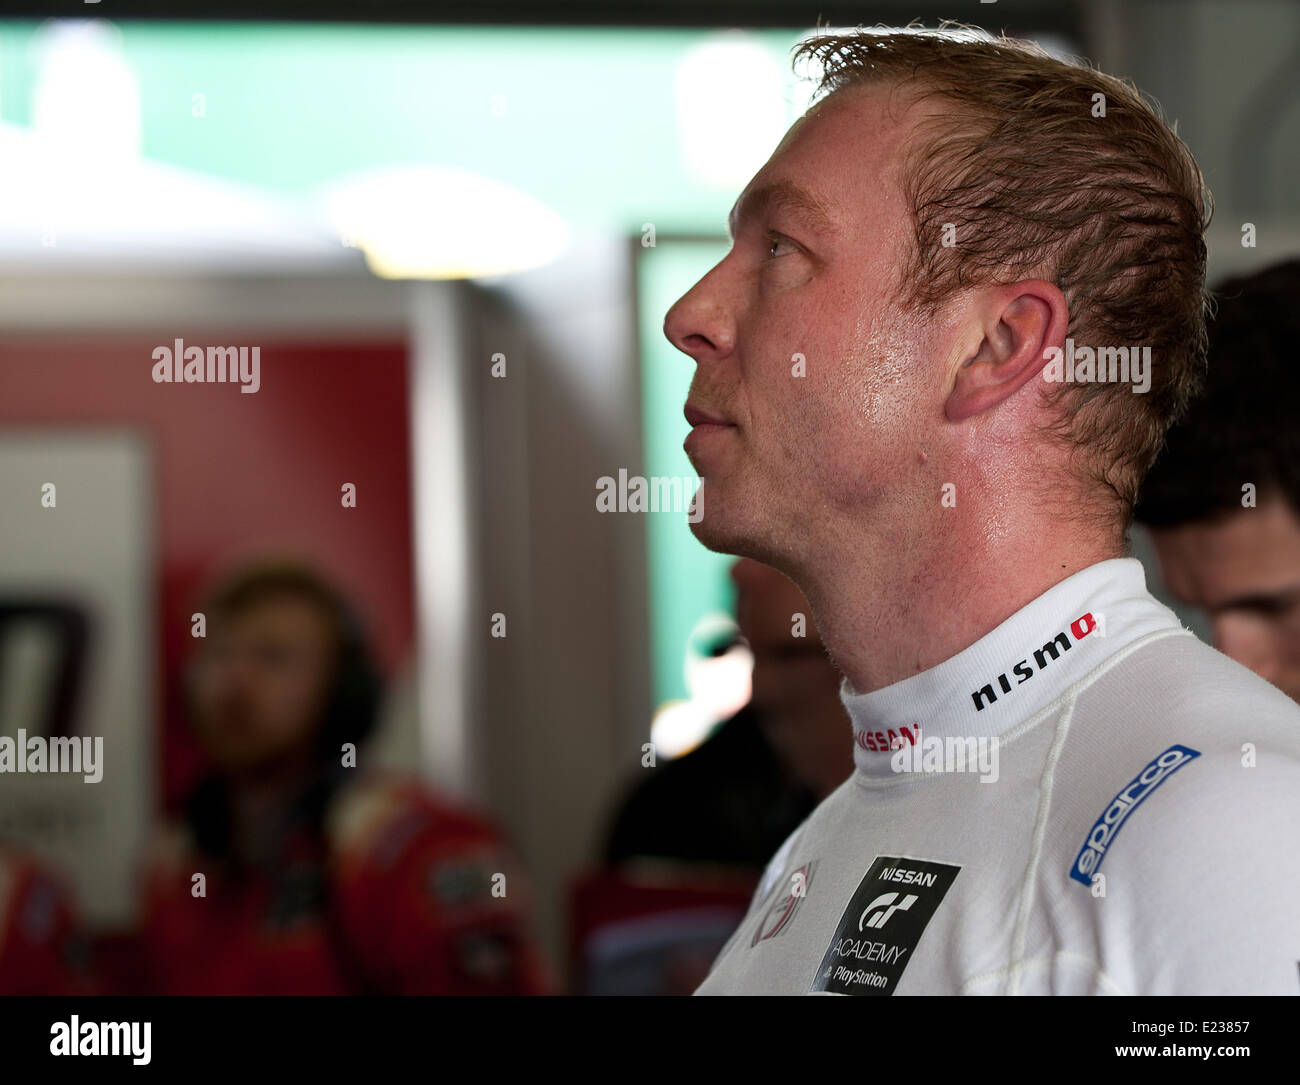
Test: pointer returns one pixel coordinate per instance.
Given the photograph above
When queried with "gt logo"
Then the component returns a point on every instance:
(884, 907)
(858, 962)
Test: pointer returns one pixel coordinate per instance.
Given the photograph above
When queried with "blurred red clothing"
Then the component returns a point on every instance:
(403, 893)
(42, 951)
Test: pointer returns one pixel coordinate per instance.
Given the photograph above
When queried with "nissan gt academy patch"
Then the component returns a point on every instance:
(880, 928)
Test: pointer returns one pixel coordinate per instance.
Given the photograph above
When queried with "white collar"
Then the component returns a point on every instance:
(1016, 670)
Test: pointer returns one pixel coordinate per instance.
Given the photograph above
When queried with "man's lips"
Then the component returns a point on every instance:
(697, 417)
(702, 424)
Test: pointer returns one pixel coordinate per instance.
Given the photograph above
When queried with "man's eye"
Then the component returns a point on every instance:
(774, 242)
(1284, 606)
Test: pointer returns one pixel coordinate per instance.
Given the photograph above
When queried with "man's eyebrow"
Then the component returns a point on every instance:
(780, 194)
(1268, 601)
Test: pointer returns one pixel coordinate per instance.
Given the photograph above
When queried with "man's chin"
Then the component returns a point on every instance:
(715, 527)
(707, 533)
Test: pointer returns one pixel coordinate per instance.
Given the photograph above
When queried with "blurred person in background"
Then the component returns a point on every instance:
(736, 797)
(1222, 502)
(42, 948)
(704, 825)
(318, 877)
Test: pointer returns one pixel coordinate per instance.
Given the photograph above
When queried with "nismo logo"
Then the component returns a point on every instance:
(1024, 670)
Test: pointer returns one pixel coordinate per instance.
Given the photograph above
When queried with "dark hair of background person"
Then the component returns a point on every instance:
(351, 708)
(1245, 424)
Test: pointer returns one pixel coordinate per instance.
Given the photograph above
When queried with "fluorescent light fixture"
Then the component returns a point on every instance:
(62, 208)
(427, 222)
(86, 96)
(731, 108)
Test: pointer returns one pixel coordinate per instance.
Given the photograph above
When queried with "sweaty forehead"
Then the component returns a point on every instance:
(837, 165)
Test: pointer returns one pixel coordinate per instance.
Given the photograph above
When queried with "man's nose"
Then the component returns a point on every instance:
(700, 324)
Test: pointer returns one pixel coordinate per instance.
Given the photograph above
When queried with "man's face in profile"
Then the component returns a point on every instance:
(1243, 570)
(801, 350)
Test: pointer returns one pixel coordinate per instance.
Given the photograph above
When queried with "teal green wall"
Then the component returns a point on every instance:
(685, 580)
(589, 124)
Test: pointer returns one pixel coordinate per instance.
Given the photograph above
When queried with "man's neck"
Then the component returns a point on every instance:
(884, 623)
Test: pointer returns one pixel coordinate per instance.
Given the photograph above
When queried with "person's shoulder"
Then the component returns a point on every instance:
(732, 751)
(386, 812)
(1205, 878)
(417, 857)
(1179, 709)
(1178, 687)
(1174, 805)
(1189, 752)
(1177, 804)
(719, 801)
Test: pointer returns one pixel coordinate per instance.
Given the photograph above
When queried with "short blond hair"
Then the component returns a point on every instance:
(1111, 208)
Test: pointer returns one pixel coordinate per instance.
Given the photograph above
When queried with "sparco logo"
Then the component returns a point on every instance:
(1107, 826)
(1023, 671)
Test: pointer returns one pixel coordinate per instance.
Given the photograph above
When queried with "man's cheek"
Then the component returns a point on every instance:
(788, 273)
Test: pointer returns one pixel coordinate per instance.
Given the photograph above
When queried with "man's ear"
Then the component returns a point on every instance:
(1022, 322)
